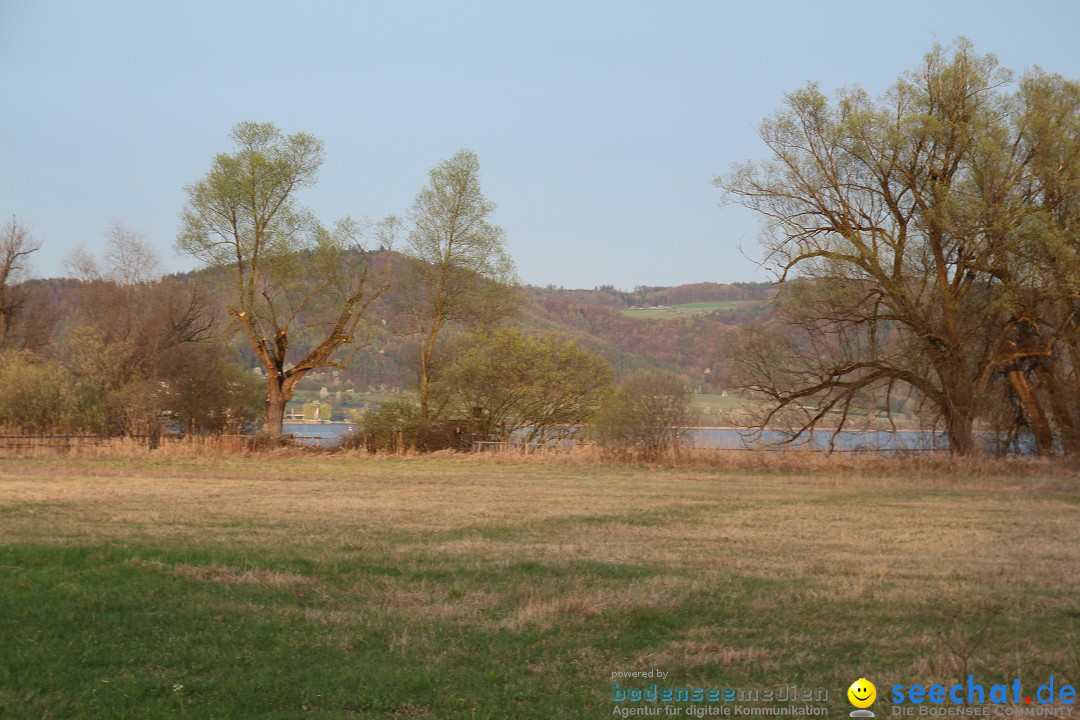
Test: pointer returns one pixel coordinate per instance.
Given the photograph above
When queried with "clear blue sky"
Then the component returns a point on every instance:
(599, 125)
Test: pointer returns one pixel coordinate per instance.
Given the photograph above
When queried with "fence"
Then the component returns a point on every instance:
(68, 442)
(479, 446)
(49, 444)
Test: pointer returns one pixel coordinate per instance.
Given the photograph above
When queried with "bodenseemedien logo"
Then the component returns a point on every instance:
(862, 694)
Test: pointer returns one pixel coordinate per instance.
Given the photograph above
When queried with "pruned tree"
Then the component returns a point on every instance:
(461, 270)
(906, 221)
(289, 274)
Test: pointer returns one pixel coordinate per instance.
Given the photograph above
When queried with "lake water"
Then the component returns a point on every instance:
(713, 438)
(318, 433)
(846, 441)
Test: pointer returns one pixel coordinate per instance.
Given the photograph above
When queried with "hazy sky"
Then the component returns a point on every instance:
(599, 125)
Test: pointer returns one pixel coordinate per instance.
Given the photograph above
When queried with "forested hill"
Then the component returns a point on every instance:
(682, 328)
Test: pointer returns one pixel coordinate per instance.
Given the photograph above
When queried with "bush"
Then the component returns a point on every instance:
(208, 393)
(645, 418)
(39, 396)
(396, 427)
(532, 388)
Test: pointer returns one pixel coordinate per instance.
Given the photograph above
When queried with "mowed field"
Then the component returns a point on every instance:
(443, 588)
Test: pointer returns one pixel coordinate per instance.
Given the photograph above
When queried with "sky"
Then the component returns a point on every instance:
(599, 125)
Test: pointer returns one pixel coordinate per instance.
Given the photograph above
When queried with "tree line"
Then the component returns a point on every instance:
(116, 349)
(139, 353)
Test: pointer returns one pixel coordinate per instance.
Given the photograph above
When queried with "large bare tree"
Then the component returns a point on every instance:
(289, 275)
(910, 222)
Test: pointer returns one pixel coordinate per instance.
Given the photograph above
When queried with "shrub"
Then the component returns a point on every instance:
(39, 396)
(645, 417)
(396, 427)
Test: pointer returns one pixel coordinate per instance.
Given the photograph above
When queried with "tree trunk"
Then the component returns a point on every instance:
(424, 389)
(275, 407)
(961, 437)
(959, 407)
(1063, 393)
(1033, 412)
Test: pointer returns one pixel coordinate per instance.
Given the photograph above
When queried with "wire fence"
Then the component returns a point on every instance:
(67, 442)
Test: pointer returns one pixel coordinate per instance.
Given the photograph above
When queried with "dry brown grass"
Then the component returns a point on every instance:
(853, 529)
(914, 465)
(802, 460)
(189, 447)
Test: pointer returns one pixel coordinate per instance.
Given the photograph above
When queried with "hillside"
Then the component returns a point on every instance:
(678, 328)
(687, 336)
(681, 338)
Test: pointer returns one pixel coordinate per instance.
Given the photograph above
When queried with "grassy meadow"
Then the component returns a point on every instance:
(672, 312)
(329, 587)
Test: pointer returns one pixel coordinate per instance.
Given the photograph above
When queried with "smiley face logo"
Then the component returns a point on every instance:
(862, 693)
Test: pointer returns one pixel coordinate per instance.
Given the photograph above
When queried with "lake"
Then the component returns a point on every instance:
(711, 438)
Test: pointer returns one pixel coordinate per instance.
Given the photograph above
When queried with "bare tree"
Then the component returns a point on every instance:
(16, 245)
(908, 223)
(129, 259)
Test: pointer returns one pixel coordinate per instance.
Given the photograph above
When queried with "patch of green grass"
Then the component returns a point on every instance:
(715, 402)
(682, 311)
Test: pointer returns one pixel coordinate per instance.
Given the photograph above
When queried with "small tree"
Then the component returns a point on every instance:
(208, 393)
(289, 275)
(460, 265)
(393, 427)
(539, 386)
(646, 416)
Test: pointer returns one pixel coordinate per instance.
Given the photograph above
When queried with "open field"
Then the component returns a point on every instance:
(458, 588)
(715, 403)
(671, 312)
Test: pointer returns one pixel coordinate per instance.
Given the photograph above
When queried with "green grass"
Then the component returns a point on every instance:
(332, 588)
(715, 402)
(683, 311)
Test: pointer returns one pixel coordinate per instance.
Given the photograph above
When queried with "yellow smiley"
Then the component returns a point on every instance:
(862, 693)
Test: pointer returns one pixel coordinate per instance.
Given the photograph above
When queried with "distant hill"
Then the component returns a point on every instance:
(688, 342)
(681, 328)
